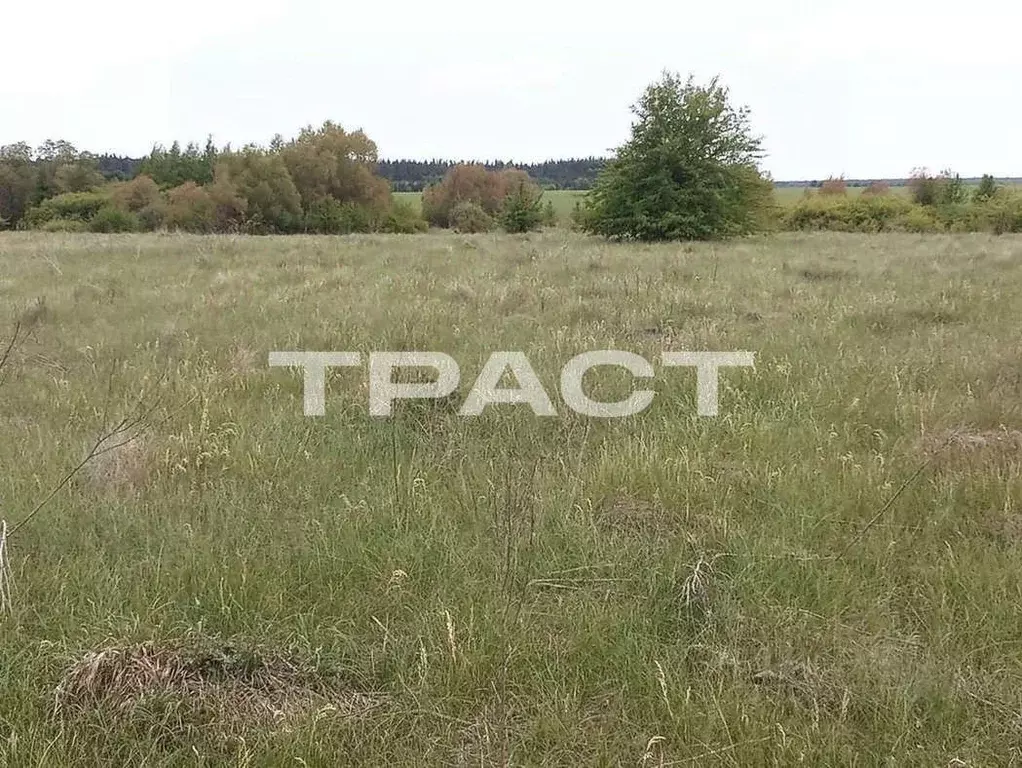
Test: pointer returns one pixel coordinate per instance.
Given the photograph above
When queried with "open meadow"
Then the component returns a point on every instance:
(827, 573)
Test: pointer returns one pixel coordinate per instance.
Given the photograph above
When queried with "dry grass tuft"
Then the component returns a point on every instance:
(808, 685)
(484, 741)
(243, 361)
(973, 447)
(222, 689)
(121, 471)
(823, 274)
(124, 470)
(629, 514)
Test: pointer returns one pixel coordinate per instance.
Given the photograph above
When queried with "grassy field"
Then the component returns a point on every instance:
(563, 200)
(825, 574)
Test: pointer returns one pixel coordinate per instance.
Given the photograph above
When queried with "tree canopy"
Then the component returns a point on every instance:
(689, 172)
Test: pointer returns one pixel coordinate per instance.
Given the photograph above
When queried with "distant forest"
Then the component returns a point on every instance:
(416, 175)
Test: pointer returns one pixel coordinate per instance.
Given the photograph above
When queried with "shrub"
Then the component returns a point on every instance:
(136, 195)
(957, 217)
(1000, 214)
(852, 214)
(152, 217)
(112, 219)
(943, 189)
(522, 210)
(330, 162)
(328, 216)
(987, 188)
(689, 171)
(229, 207)
(468, 217)
(262, 180)
(919, 219)
(877, 189)
(549, 214)
(141, 196)
(189, 207)
(580, 215)
(834, 187)
(402, 218)
(471, 183)
(79, 206)
(65, 225)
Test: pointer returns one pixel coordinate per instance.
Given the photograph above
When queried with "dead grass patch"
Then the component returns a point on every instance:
(823, 274)
(628, 514)
(243, 361)
(485, 741)
(123, 470)
(808, 685)
(212, 690)
(964, 447)
(892, 320)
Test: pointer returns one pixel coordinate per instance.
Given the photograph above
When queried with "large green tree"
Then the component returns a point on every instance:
(689, 172)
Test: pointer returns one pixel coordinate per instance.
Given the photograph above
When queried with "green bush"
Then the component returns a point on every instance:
(522, 210)
(328, 216)
(851, 214)
(919, 219)
(958, 217)
(152, 217)
(111, 219)
(78, 206)
(468, 217)
(580, 215)
(549, 214)
(65, 225)
(943, 189)
(987, 188)
(403, 219)
(1001, 214)
(690, 170)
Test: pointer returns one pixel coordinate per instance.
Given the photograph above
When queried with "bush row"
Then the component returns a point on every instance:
(323, 181)
(471, 198)
(253, 193)
(999, 213)
(215, 208)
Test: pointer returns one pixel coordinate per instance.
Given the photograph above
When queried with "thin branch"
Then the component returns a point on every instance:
(5, 358)
(890, 502)
(98, 448)
(126, 431)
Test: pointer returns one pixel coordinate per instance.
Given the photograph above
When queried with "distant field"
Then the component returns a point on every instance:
(826, 574)
(564, 200)
(791, 195)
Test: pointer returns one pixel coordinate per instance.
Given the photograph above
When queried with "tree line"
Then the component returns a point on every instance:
(403, 175)
(691, 170)
(417, 175)
(323, 181)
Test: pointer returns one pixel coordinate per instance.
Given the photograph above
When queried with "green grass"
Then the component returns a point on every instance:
(660, 590)
(791, 195)
(563, 200)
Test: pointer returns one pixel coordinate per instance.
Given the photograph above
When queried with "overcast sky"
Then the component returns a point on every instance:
(868, 88)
